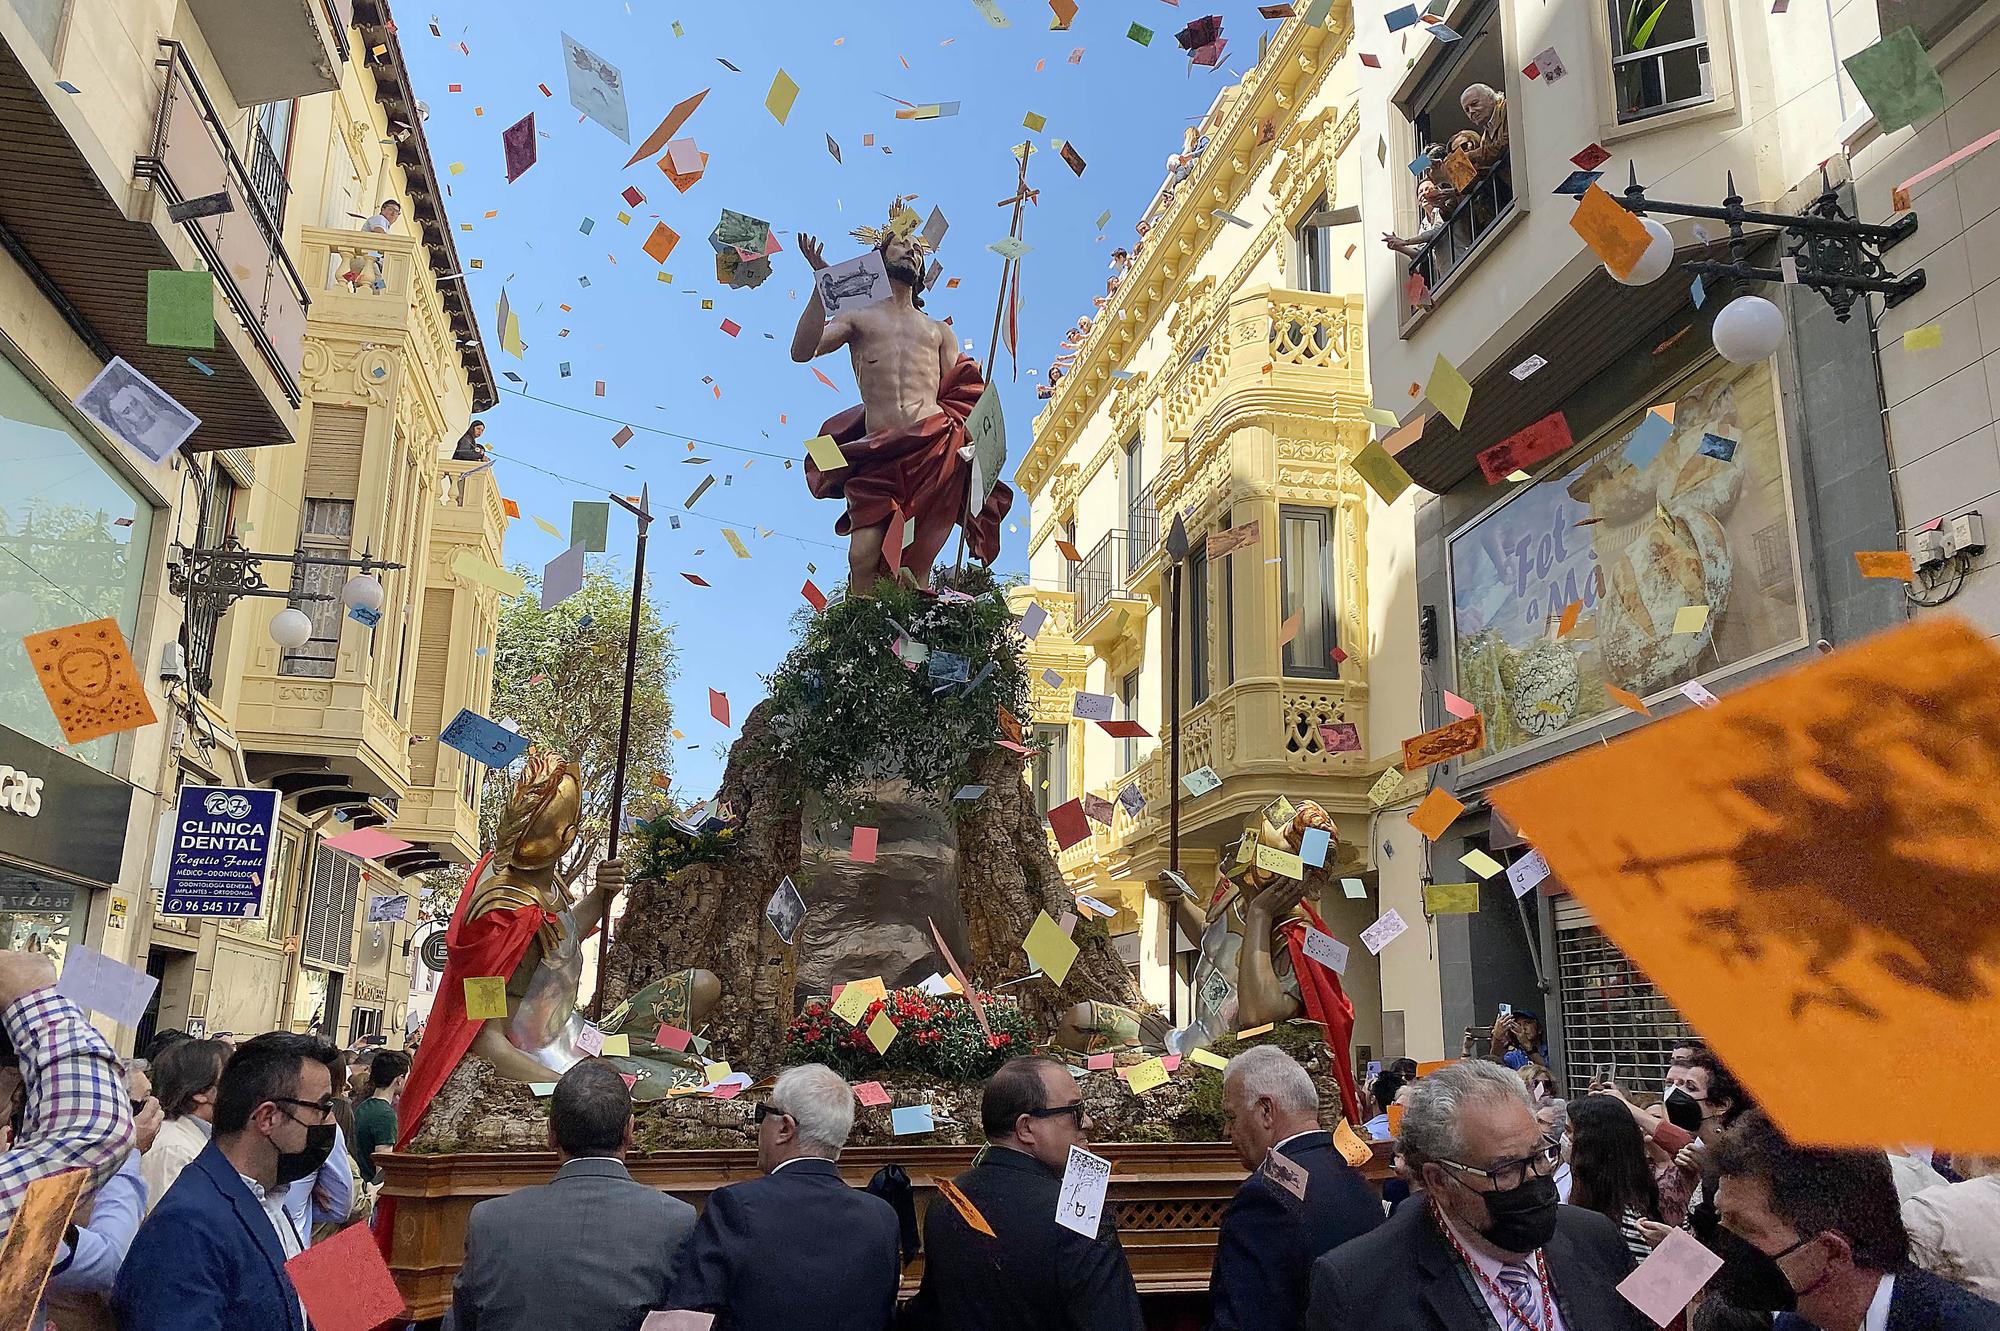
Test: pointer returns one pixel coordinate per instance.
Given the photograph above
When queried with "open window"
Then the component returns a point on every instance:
(1659, 57)
(1462, 177)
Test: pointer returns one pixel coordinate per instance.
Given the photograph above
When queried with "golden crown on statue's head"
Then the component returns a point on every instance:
(903, 221)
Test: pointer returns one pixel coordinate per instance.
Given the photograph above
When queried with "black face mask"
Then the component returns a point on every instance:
(1521, 1219)
(295, 1165)
(1751, 1278)
(1683, 1110)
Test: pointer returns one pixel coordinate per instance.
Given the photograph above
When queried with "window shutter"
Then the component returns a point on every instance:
(333, 467)
(433, 660)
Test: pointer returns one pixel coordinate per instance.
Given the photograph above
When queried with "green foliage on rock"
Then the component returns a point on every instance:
(1302, 1040)
(847, 710)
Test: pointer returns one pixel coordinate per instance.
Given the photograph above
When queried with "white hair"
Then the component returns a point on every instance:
(1431, 1121)
(1471, 88)
(1266, 1071)
(821, 1102)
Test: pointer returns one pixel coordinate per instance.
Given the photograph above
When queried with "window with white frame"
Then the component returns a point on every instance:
(1659, 57)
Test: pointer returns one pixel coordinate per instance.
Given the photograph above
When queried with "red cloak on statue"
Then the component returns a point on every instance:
(916, 472)
(492, 944)
(1326, 1003)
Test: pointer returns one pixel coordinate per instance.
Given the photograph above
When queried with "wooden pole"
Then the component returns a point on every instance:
(643, 512)
(1173, 775)
(1007, 269)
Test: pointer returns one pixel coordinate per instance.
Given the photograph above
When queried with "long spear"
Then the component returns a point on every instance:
(1009, 272)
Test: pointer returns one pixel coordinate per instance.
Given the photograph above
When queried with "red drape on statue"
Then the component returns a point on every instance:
(1326, 1003)
(492, 944)
(916, 470)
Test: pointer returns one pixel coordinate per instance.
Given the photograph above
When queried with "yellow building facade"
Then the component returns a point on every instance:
(1223, 384)
(329, 411)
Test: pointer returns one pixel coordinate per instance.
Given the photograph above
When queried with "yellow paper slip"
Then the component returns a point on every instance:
(617, 1046)
(471, 566)
(1280, 862)
(1481, 863)
(783, 93)
(1050, 948)
(1449, 391)
(825, 454)
(881, 1032)
(1452, 898)
(853, 1001)
(1145, 1076)
(1384, 475)
(1208, 1059)
(715, 1072)
(485, 997)
(1350, 1145)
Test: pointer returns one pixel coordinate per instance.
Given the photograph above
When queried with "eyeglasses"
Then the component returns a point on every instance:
(324, 1108)
(1509, 1174)
(1057, 1111)
(765, 1109)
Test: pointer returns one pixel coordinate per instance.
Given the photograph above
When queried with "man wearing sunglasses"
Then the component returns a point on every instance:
(212, 1254)
(797, 1248)
(1030, 1272)
(1486, 1243)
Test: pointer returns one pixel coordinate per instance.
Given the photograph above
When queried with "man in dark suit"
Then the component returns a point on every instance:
(1817, 1237)
(1270, 1236)
(1486, 1244)
(212, 1254)
(592, 1247)
(797, 1247)
(1031, 1272)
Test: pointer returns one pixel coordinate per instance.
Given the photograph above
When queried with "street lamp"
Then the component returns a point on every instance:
(1828, 251)
(210, 579)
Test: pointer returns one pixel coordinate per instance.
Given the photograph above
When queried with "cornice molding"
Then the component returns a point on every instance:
(1298, 61)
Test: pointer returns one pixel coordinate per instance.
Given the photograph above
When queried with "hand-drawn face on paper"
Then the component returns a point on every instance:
(596, 88)
(1807, 869)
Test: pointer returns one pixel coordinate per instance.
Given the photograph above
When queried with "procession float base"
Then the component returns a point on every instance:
(1168, 1198)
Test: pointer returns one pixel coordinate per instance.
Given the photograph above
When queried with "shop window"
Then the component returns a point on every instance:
(328, 529)
(1308, 591)
(73, 541)
(1464, 184)
(1640, 523)
(40, 914)
(1051, 769)
(1659, 57)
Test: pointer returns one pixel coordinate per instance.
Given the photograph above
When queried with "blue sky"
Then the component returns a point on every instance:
(1123, 106)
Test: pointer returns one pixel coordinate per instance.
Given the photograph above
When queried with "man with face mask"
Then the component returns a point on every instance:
(1817, 1236)
(1486, 1245)
(212, 1254)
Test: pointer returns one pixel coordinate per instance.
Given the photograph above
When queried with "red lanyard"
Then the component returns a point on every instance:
(1534, 1323)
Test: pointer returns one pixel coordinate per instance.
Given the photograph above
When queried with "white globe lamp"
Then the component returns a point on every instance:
(1653, 264)
(363, 591)
(291, 628)
(1748, 330)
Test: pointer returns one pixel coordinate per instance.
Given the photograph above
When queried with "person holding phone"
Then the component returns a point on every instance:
(1518, 1039)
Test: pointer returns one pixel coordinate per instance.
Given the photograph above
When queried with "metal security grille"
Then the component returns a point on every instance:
(1612, 1014)
(328, 933)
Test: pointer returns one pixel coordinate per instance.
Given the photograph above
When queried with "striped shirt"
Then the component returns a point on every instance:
(78, 1114)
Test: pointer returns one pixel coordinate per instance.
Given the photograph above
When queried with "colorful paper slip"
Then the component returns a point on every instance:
(485, 997)
(1446, 742)
(1527, 873)
(1279, 861)
(1434, 816)
(1049, 948)
(912, 1119)
(882, 1032)
(1613, 234)
(1383, 932)
(1327, 950)
(1672, 1274)
(1451, 899)
(1080, 1200)
(1383, 474)
(1897, 79)
(1448, 391)
(1885, 564)
(962, 1204)
(87, 675)
(1143, 1077)
(1350, 1145)
(474, 569)
(1208, 1058)
(477, 737)
(871, 1093)
(1836, 823)
(779, 100)
(1481, 863)
(97, 983)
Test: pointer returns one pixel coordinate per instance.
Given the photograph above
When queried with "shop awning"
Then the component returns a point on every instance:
(1590, 334)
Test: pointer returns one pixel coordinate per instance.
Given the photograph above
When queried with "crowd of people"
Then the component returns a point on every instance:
(211, 1164)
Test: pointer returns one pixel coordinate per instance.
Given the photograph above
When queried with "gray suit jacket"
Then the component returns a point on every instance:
(590, 1249)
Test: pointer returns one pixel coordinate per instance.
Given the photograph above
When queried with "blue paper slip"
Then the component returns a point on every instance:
(1715, 446)
(1314, 845)
(476, 737)
(1399, 19)
(95, 982)
(912, 1119)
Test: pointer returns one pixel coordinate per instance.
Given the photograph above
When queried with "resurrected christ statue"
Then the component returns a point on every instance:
(908, 470)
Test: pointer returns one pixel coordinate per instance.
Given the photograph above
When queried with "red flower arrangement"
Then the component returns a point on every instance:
(936, 1037)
